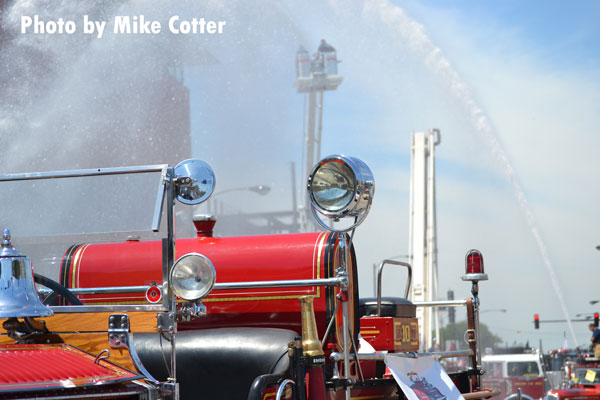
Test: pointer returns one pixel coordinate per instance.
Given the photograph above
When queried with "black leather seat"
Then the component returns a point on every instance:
(390, 307)
(217, 363)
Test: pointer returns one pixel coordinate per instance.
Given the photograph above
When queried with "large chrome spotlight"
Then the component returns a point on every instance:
(340, 186)
(195, 181)
(192, 277)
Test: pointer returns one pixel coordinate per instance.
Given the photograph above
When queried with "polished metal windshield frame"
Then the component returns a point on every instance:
(164, 187)
(162, 168)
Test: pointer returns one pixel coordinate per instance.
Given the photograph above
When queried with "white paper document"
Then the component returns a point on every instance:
(422, 378)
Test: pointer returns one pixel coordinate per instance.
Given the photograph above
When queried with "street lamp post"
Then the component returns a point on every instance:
(494, 309)
(258, 189)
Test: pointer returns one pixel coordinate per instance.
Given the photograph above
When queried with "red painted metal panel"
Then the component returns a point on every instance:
(236, 259)
(390, 333)
(54, 366)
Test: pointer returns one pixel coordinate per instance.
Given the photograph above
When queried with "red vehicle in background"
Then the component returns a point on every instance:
(582, 381)
(510, 372)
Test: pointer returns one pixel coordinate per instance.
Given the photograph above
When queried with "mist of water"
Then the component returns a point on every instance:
(78, 101)
(417, 39)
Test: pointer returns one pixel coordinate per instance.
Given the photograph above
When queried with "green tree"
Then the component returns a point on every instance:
(457, 332)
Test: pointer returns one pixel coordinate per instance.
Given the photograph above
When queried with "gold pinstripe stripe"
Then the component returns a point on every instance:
(76, 257)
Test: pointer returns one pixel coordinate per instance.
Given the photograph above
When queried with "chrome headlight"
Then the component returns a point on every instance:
(341, 186)
(192, 277)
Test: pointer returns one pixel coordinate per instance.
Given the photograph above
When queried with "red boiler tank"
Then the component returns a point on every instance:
(236, 259)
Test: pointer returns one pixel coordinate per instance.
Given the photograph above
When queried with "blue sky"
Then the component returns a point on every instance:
(561, 34)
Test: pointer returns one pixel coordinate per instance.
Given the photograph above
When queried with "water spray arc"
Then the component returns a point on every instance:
(396, 20)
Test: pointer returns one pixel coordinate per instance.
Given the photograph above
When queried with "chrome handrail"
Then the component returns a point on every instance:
(336, 281)
(441, 303)
(83, 172)
(335, 356)
(379, 274)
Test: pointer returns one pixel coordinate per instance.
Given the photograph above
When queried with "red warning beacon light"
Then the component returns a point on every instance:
(474, 271)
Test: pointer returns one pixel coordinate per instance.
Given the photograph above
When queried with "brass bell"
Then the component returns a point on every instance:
(18, 297)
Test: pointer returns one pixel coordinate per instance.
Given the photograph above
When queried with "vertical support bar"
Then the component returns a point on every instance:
(170, 259)
(346, 349)
(300, 377)
(343, 271)
(473, 338)
(165, 273)
(160, 200)
(475, 292)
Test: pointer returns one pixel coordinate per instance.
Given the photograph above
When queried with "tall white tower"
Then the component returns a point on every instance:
(422, 234)
(314, 76)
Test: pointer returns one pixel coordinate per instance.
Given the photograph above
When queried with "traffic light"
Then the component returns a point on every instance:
(536, 321)
(596, 319)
